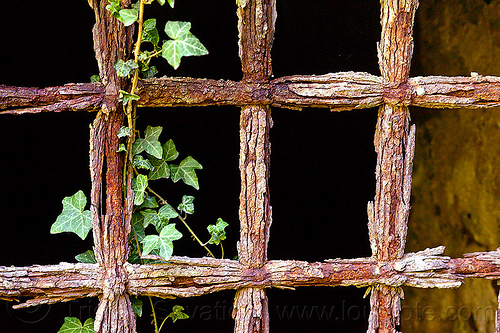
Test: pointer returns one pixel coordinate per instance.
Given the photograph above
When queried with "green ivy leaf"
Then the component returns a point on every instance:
(141, 163)
(150, 33)
(167, 212)
(139, 185)
(150, 72)
(150, 143)
(163, 242)
(217, 231)
(124, 131)
(114, 8)
(129, 16)
(182, 44)
(126, 97)
(187, 204)
(186, 171)
(95, 78)
(149, 202)
(161, 167)
(136, 305)
(137, 223)
(73, 218)
(121, 148)
(177, 313)
(74, 325)
(124, 68)
(150, 217)
(87, 257)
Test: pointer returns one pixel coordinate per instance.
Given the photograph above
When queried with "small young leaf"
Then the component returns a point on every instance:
(95, 78)
(217, 231)
(73, 218)
(139, 185)
(150, 143)
(136, 306)
(114, 8)
(121, 148)
(124, 131)
(129, 16)
(162, 2)
(126, 97)
(170, 2)
(87, 257)
(177, 313)
(124, 68)
(74, 325)
(187, 204)
(161, 167)
(186, 171)
(163, 242)
(140, 163)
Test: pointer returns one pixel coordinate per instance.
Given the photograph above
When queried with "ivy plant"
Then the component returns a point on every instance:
(147, 158)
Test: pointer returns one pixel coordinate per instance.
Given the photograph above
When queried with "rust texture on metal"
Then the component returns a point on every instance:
(342, 91)
(389, 268)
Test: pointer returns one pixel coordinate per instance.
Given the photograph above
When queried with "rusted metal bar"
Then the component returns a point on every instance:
(388, 213)
(337, 91)
(187, 277)
(256, 20)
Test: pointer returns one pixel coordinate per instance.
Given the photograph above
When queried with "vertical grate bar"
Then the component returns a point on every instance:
(256, 32)
(110, 221)
(388, 213)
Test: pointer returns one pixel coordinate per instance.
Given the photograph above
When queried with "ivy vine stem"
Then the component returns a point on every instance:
(183, 220)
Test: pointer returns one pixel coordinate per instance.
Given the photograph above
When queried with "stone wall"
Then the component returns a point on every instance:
(456, 183)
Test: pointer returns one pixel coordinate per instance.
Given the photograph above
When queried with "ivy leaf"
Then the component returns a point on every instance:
(149, 202)
(74, 325)
(150, 217)
(182, 44)
(217, 231)
(126, 97)
(114, 8)
(121, 148)
(167, 212)
(186, 171)
(124, 68)
(73, 218)
(177, 313)
(150, 143)
(137, 229)
(187, 204)
(141, 163)
(87, 257)
(129, 16)
(150, 33)
(150, 72)
(95, 78)
(139, 185)
(163, 242)
(124, 131)
(136, 305)
(161, 167)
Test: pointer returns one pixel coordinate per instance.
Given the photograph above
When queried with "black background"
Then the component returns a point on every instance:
(322, 163)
